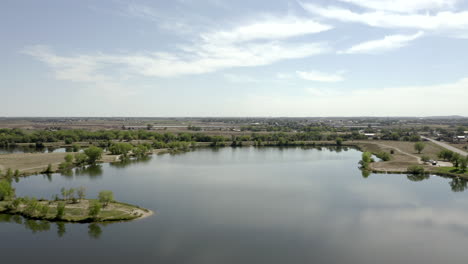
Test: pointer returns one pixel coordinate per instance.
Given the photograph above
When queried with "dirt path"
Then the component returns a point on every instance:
(447, 146)
(401, 151)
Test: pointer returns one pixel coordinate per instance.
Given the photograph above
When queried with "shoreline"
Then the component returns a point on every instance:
(113, 212)
(401, 159)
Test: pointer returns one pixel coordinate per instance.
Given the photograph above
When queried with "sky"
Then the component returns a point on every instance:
(269, 58)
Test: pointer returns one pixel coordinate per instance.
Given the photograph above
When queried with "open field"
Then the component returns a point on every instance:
(403, 157)
(31, 163)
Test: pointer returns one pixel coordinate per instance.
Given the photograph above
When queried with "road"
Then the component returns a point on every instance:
(447, 146)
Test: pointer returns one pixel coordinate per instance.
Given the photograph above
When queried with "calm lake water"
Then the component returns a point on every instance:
(251, 205)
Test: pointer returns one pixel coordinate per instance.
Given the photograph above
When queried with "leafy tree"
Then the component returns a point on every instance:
(68, 158)
(60, 210)
(106, 197)
(94, 209)
(81, 192)
(93, 153)
(80, 159)
(339, 141)
(7, 192)
(456, 158)
(120, 148)
(419, 147)
(463, 163)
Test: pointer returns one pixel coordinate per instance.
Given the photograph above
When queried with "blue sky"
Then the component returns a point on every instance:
(234, 58)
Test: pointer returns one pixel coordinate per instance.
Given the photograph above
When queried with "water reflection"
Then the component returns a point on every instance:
(458, 184)
(36, 226)
(93, 171)
(94, 231)
(127, 162)
(418, 177)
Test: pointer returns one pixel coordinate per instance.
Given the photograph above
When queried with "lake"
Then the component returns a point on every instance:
(251, 205)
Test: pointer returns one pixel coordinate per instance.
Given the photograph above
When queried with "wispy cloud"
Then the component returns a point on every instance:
(320, 76)
(256, 44)
(442, 20)
(388, 43)
(406, 6)
(268, 29)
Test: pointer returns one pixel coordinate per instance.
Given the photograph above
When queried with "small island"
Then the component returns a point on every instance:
(71, 207)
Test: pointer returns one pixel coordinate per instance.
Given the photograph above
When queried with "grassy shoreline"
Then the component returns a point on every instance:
(78, 212)
(402, 158)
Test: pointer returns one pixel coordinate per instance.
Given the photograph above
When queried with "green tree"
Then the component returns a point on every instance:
(80, 159)
(339, 141)
(69, 158)
(94, 209)
(463, 163)
(105, 197)
(60, 210)
(419, 147)
(121, 148)
(7, 192)
(81, 192)
(93, 153)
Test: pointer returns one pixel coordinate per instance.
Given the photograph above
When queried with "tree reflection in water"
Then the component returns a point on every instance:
(35, 226)
(458, 184)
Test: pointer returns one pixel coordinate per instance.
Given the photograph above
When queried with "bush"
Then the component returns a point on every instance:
(425, 158)
(416, 169)
(384, 156)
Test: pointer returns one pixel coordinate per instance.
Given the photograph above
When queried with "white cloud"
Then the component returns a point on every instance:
(271, 28)
(251, 45)
(404, 5)
(320, 76)
(443, 20)
(387, 43)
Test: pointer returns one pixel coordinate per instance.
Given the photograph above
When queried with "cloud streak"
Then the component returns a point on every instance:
(443, 20)
(404, 6)
(388, 43)
(256, 44)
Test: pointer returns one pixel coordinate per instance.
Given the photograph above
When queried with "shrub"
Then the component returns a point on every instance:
(425, 158)
(384, 156)
(416, 169)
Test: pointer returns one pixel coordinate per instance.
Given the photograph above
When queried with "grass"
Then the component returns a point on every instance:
(453, 170)
(79, 212)
(31, 163)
